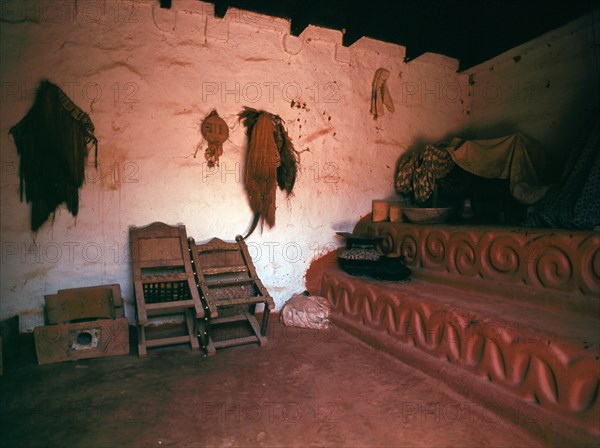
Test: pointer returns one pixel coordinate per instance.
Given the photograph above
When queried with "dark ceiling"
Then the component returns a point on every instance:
(471, 31)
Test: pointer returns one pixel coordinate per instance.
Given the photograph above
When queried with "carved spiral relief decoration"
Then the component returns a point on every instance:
(387, 245)
(500, 256)
(462, 254)
(409, 248)
(389, 234)
(595, 264)
(433, 249)
(551, 267)
(557, 260)
(590, 263)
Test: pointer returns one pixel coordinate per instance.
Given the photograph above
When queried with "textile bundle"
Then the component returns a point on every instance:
(52, 141)
(270, 161)
(418, 171)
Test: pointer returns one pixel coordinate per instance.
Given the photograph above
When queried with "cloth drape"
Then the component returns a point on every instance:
(380, 95)
(513, 157)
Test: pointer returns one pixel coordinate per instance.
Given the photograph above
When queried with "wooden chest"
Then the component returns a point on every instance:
(82, 323)
(64, 342)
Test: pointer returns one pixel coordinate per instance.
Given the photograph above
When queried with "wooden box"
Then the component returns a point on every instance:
(82, 323)
(82, 340)
(79, 304)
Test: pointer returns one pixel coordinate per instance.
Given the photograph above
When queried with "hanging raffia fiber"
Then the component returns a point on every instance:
(287, 168)
(287, 171)
(52, 141)
(260, 174)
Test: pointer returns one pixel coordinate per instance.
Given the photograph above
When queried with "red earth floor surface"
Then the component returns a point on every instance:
(307, 388)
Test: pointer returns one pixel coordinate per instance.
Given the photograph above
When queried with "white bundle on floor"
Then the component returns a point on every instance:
(306, 312)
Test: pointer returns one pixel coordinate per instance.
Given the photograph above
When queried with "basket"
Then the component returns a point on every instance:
(427, 215)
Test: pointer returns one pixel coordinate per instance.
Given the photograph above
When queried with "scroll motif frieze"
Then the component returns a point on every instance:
(557, 260)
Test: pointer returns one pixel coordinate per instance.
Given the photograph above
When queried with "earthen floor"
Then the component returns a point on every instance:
(307, 388)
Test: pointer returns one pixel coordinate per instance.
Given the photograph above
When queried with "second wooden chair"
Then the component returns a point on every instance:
(231, 289)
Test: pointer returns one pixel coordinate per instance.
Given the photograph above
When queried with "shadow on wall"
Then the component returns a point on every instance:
(569, 134)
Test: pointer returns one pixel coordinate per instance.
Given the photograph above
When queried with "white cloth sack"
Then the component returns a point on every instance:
(306, 312)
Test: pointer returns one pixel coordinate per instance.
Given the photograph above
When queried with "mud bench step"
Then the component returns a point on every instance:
(538, 367)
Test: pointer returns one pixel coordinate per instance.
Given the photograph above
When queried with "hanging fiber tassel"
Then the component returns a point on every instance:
(260, 174)
(52, 141)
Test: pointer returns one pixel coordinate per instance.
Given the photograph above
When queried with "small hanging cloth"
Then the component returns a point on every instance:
(52, 141)
(216, 132)
(380, 95)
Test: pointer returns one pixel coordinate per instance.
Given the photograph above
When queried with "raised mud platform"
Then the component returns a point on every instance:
(505, 316)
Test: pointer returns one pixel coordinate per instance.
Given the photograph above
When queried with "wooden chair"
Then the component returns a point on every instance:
(230, 290)
(164, 283)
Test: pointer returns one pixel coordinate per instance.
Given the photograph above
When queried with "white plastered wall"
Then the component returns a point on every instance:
(147, 77)
(548, 89)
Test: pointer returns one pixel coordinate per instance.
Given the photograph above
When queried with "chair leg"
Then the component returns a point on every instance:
(203, 334)
(265, 321)
(141, 333)
(211, 350)
(191, 326)
(262, 341)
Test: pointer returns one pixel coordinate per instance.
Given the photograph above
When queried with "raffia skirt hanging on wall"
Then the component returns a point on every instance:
(271, 160)
(260, 175)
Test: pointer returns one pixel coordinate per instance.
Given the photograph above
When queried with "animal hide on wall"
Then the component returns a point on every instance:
(52, 141)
